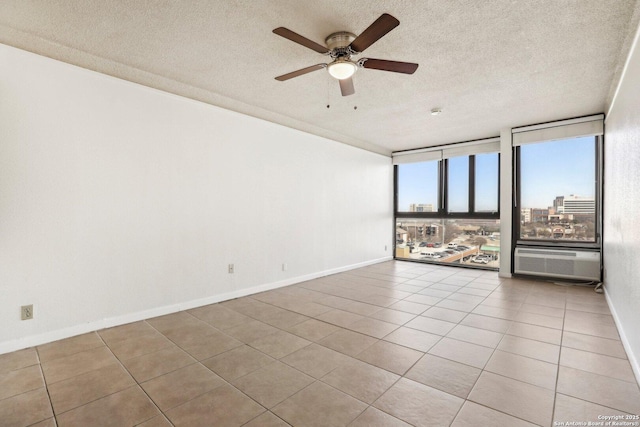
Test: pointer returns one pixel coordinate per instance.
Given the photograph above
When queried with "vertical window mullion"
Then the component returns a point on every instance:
(599, 148)
(517, 206)
(444, 177)
(498, 188)
(472, 180)
(395, 188)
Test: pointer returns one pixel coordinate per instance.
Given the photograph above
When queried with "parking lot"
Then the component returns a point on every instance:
(459, 251)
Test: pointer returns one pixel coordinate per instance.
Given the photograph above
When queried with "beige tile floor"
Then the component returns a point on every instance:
(393, 344)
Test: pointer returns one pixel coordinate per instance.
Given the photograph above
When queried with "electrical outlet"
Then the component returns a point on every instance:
(231, 269)
(26, 312)
(284, 267)
(385, 248)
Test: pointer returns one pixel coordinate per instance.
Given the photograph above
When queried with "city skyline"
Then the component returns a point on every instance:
(566, 197)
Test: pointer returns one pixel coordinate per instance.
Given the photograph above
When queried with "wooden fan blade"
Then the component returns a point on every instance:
(346, 87)
(394, 66)
(374, 32)
(297, 38)
(300, 72)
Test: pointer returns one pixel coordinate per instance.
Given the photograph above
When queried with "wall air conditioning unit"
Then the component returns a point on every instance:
(559, 263)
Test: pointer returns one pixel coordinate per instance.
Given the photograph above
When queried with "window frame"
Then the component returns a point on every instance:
(557, 243)
(443, 196)
(434, 214)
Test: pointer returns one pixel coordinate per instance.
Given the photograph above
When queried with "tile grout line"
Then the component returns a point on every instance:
(137, 384)
(355, 357)
(504, 376)
(206, 367)
(361, 288)
(222, 378)
(425, 353)
(483, 367)
(46, 386)
(555, 391)
(481, 370)
(466, 399)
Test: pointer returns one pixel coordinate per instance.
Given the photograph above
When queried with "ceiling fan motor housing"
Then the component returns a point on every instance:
(339, 41)
(342, 67)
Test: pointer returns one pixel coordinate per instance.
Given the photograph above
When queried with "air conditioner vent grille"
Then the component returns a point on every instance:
(564, 267)
(580, 265)
(531, 264)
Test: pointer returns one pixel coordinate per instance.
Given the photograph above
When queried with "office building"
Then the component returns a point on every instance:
(420, 207)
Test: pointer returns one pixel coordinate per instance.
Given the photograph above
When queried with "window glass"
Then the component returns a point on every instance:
(486, 182)
(418, 187)
(458, 184)
(558, 190)
(438, 220)
(471, 242)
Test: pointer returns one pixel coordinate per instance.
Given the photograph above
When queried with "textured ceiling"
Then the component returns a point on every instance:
(487, 64)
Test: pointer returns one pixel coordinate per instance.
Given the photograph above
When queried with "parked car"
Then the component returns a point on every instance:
(422, 244)
(482, 259)
(437, 244)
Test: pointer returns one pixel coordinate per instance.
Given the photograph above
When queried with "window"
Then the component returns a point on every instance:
(486, 179)
(470, 242)
(471, 188)
(419, 183)
(558, 191)
(458, 184)
(447, 209)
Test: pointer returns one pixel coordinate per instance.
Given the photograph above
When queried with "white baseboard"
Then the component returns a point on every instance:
(633, 359)
(49, 336)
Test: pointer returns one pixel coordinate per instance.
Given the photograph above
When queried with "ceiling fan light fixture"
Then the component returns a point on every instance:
(342, 69)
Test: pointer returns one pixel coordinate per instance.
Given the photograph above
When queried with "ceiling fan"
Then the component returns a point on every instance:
(341, 46)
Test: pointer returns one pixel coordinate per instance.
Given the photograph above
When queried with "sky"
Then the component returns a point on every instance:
(557, 168)
(550, 169)
(418, 183)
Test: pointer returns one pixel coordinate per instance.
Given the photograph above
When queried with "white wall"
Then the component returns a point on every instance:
(119, 202)
(622, 207)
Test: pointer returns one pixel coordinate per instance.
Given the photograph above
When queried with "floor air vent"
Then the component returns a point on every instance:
(568, 264)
